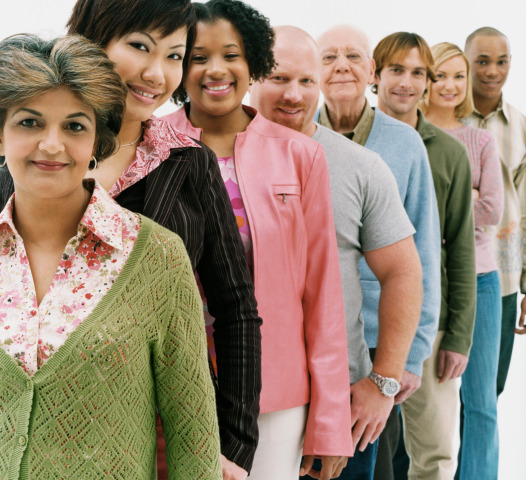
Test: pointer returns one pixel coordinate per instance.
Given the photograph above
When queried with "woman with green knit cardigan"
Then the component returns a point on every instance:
(100, 317)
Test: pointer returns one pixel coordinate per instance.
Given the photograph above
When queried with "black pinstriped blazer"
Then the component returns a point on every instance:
(186, 194)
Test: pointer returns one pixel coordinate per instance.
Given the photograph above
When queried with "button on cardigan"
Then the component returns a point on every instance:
(89, 412)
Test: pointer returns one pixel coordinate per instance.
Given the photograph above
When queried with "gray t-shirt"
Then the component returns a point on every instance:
(368, 215)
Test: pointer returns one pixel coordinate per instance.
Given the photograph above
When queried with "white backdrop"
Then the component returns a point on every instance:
(442, 20)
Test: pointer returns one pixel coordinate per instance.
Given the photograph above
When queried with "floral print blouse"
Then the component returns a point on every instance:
(90, 264)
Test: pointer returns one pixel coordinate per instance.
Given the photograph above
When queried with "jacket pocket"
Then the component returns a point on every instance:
(284, 191)
(292, 230)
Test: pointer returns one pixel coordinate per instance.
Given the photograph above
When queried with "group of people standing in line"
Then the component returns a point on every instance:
(352, 262)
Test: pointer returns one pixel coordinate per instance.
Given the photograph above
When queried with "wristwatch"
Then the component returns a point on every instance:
(388, 386)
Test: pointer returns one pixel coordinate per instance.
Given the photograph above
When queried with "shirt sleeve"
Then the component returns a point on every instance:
(329, 418)
(488, 207)
(384, 219)
(229, 291)
(459, 240)
(421, 206)
(520, 185)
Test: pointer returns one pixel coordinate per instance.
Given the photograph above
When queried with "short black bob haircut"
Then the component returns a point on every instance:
(102, 21)
(254, 29)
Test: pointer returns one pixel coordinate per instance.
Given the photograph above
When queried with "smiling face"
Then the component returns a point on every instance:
(218, 74)
(489, 58)
(150, 66)
(450, 89)
(346, 66)
(289, 96)
(401, 84)
(48, 143)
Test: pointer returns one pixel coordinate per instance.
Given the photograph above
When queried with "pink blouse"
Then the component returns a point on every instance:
(90, 264)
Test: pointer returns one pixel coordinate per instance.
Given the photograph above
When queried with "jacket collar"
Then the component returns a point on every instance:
(196, 132)
(502, 109)
(424, 128)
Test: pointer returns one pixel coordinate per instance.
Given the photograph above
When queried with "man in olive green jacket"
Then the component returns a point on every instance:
(404, 65)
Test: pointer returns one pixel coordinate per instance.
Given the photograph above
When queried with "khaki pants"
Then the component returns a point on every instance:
(430, 418)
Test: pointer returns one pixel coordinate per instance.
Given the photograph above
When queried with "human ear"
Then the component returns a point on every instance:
(372, 74)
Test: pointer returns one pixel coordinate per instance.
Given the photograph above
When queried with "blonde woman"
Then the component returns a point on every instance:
(448, 101)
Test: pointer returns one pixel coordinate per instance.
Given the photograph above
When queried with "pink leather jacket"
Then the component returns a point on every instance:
(284, 182)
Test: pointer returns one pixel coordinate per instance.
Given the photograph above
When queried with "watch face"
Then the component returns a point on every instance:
(390, 388)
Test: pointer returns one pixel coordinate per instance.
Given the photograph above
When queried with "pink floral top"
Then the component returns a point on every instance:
(158, 138)
(90, 264)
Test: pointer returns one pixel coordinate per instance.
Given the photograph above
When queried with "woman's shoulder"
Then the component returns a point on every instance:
(481, 135)
(153, 236)
(158, 246)
(176, 146)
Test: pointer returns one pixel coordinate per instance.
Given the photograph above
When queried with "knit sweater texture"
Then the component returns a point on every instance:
(89, 412)
(487, 180)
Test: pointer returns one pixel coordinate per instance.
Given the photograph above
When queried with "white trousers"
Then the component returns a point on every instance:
(278, 456)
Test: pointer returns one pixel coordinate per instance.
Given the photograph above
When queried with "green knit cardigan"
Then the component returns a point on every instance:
(89, 412)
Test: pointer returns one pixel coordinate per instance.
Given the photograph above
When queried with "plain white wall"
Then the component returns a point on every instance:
(439, 21)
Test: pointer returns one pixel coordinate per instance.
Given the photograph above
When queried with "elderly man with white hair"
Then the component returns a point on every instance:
(370, 223)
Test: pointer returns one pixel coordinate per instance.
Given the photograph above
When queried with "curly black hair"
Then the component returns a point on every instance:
(254, 29)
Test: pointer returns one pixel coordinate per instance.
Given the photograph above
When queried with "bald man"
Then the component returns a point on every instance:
(370, 223)
(347, 68)
(488, 52)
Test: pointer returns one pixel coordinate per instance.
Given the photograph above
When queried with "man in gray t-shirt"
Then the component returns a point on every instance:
(370, 221)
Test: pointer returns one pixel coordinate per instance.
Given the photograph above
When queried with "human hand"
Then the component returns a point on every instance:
(369, 412)
(410, 384)
(450, 365)
(475, 193)
(522, 328)
(331, 467)
(231, 471)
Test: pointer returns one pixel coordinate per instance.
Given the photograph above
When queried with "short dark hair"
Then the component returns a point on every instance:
(483, 32)
(31, 66)
(399, 43)
(254, 29)
(104, 20)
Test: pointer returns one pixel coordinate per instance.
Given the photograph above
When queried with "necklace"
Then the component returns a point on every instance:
(134, 142)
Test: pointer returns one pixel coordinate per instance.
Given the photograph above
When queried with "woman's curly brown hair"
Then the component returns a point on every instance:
(254, 29)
